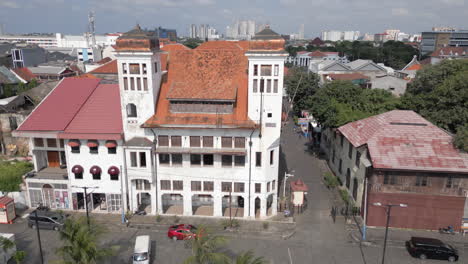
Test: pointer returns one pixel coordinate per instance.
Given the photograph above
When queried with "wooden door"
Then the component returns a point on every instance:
(53, 159)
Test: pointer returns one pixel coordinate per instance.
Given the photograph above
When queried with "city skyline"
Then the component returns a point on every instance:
(116, 16)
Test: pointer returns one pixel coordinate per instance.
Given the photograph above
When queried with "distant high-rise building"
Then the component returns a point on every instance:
(392, 34)
(444, 29)
(334, 35)
(432, 40)
(193, 31)
(301, 32)
(171, 34)
(242, 29)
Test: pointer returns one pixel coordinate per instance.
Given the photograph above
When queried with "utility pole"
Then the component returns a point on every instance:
(230, 207)
(86, 200)
(388, 211)
(38, 236)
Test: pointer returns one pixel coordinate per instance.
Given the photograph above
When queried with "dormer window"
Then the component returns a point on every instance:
(75, 145)
(255, 73)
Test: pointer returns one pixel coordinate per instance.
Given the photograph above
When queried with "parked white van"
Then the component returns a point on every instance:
(142, 252)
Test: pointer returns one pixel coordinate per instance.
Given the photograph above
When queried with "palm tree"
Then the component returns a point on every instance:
(204, 248)
(248, 258)
(80, 243)
(7, 244)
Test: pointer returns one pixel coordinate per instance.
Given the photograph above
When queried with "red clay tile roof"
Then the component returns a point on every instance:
(100, 116)
(108, 68)
(176, 46)
(415, 67)
(404, 140)
(450, 51)
(25, 74)
(302, 52)
(199, 74)
(317, 42)
(86, 75)
(103, 61)
(224, 45)
(60, 107)
(317, 53)
(206, 74)
(347, 76)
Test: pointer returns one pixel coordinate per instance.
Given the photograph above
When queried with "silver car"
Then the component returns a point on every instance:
(46, 220)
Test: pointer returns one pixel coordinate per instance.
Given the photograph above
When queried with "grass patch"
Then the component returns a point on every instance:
(11, 174)
(176, 219)
(344, 196)
(331, 181)
(266, 225)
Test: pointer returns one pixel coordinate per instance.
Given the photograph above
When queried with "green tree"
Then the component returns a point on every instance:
(192, 43)
(248, 258)
(6, 244)
(440, 94)
(461, 138)
(11, 174)
(205, 248)
(341, 102)
(80, 243)
(300, 85)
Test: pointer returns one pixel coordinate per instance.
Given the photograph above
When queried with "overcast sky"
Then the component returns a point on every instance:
(284, 16)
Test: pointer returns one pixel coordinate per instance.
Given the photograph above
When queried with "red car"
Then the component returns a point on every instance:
(181, 232)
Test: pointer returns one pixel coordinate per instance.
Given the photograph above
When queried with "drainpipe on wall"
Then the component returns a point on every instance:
(250, 167)
(127, 197)
(155, 141)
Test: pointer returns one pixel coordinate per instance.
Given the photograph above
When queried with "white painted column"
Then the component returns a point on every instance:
(263, 208)
(187, 204)
(252, 206)
(274, 205)
(218, 205)
(160, 209)
(153, 200)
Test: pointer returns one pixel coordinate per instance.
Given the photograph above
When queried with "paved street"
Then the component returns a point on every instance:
(317, 238)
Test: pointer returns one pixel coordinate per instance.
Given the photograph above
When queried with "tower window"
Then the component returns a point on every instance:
(125, 83)
(144, 68)
(276, 70)
(131, 110)
(124, 68)
(268, 86)
(262, 85)
(132, 83)
(138, 81)
(134, 68)
(255, 85)
(255, 73)
(275, 86)
(145, 84)
(155, 67)
(265, 70)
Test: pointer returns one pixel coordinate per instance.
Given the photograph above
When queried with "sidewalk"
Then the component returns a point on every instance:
(264, 229)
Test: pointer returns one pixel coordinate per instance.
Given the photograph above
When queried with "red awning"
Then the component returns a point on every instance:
(74, 143)
(111, 144)
(92, 143)
(77, 169)
(113, 170)
(95, 170)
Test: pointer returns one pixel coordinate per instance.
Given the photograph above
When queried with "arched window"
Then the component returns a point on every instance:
(131, 110)
(78, 171)
(114, 173)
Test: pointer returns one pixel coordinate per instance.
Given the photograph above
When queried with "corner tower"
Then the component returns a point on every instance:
(139, 72)
(266, 57)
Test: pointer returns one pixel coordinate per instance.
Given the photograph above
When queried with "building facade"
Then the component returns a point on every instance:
(433, 40)
(399, 157)
(195, 135)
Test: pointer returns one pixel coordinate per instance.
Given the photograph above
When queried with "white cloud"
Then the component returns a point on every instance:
(9, 4)
(288, 2)
(454, 2)
(400, 11)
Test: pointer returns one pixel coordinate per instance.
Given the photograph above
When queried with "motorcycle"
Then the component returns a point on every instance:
(142, 212)
(447, 230)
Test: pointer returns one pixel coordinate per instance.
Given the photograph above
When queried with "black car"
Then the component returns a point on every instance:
(431, 248)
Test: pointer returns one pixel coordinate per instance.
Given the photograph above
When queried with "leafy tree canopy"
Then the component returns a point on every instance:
(440, 94)
(11, 175)
(341, 102)
(192, 42)
(300, 85)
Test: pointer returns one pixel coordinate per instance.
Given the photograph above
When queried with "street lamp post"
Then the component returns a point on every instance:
(388, 211)
(86, 200)
(286, 176)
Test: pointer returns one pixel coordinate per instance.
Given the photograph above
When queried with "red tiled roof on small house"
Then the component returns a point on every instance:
(299, 186)
(404, 140)
(415, 67)
(104, 61)
(317, 42)
(107, 68)
(24, 73)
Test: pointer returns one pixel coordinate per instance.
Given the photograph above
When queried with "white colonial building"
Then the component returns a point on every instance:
(184, 132)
